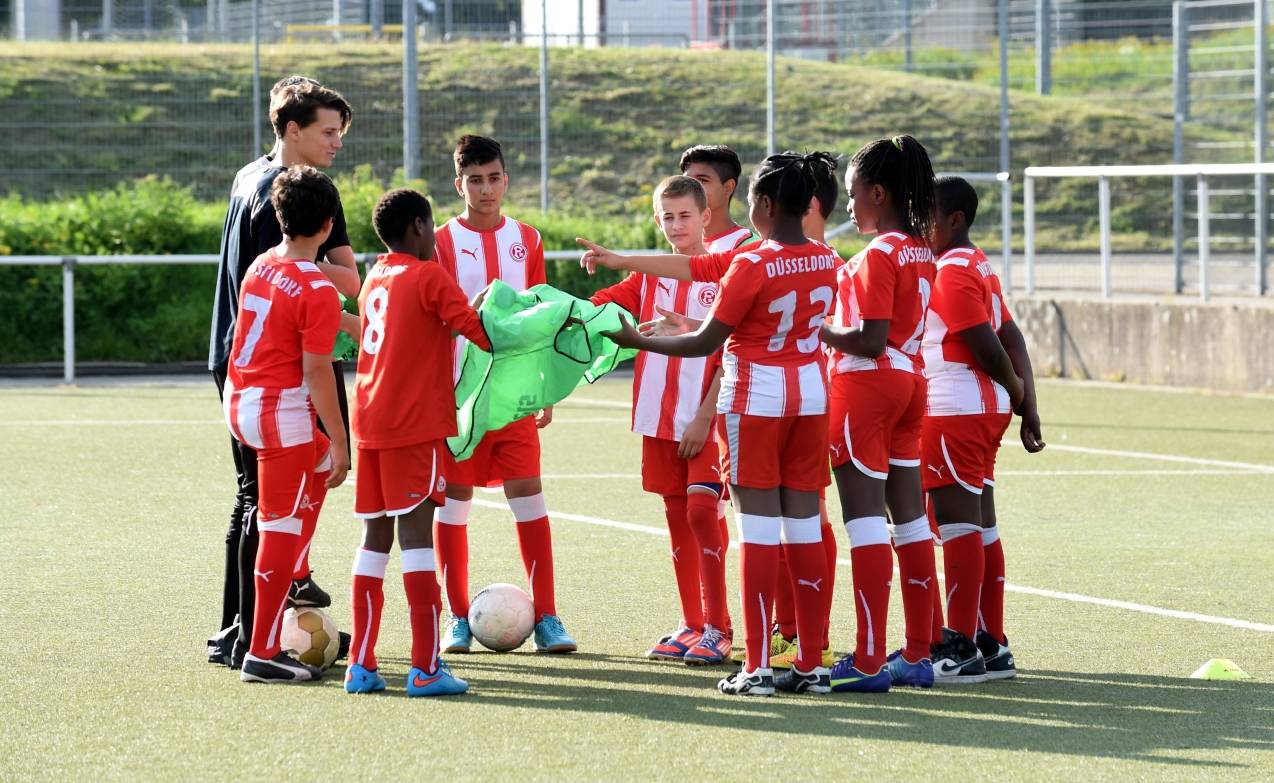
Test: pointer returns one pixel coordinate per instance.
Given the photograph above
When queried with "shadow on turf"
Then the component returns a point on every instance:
(1107, 715)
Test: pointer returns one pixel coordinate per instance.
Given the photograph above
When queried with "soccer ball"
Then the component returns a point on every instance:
(311, 635)
(501, 617)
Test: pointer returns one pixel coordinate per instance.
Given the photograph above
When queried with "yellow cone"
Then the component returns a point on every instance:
(1220, 669)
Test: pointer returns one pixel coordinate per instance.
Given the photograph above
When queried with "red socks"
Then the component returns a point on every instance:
(991, 605)
(964, 561)
(368, 598)
(424, 601)
(272, 577)
(784, 606)
(918, 573)
(311, 505)
(784, 601)
(807, 562)
(758, 564)
(704, 523)
(685, 561)
(536, 544)
(829, 551)
(451, 544)
(872, 564)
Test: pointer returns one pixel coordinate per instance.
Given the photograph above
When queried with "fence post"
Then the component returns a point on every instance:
(68, 320)
(1103, 206)
(544, 106)
(108, 18)
(256, 79)
(411, 94)
(1043, 47)
(906, 35)
(1028, 230)
(376, 18)
(1006, 186)
(1262, 194)
(1204, 237)
(769, 77)
(1180, 108)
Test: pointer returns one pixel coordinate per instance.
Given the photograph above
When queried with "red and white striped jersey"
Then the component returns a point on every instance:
(729, 240)
(892, 278)
(287, 308)
(511, 252)
(776, 298)
(965, 294)
(667, 390)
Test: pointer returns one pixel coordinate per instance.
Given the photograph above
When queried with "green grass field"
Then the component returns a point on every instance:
(115, 503)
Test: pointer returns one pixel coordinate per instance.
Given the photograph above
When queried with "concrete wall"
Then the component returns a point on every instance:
(1174, 342)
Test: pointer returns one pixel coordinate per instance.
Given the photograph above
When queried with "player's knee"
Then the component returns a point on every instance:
(378, 534)
(459, 492)
(520, 488)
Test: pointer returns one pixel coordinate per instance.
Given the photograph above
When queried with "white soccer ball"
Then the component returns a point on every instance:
(501, 617)
(311, 635)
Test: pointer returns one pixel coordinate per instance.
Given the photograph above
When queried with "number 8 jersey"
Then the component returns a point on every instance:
(776, 297)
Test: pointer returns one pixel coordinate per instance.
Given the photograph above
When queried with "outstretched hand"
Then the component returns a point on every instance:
(627, 336)
(595, 255)
(670, 325)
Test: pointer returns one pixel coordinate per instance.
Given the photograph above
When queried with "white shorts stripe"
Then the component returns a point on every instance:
(942, 440)
(849, 445)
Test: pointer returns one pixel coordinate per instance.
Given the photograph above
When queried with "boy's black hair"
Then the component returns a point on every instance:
(304, 199)
(723, 160)
(396, 211)
(901, 166)
(477, 150)
(955, 194)
(789, 180)
(826, 185)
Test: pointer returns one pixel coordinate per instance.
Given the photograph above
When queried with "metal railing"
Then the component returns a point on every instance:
(1104, 174)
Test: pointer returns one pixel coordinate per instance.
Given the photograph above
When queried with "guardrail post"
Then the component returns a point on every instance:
(1028, 230)
(1006, 231)
(68, 320)
(1204, 237)
(1103, 206)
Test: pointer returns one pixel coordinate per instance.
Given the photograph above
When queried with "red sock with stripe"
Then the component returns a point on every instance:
(829, 551)
(758, 563)
(424, 602)
(992, 600)
(784, 600)
(451, 544)
(685, 561)
(535, 541)
(367, 601)
(964, 564)
(701, 516)
(272, 577)
(918, 574)
(311, 505)
(807, 560)
(872, 566)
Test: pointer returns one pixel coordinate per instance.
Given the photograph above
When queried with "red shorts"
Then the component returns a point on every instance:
(283, 477)
(393, 482)
(961, 449)
(664, 473)
(511, 452)
(874, 419)
(765, 452)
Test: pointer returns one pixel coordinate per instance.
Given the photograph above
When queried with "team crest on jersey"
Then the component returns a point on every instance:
(517, 251)
(707, 295)
(442, 484)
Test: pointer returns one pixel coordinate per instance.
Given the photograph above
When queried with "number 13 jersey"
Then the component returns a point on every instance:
(776, 297)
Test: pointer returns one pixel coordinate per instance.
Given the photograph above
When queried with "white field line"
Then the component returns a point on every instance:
(1148, 455)
(1015, 473)
(108, 422)
(591, 420)
(572, 401)
(1013, 588)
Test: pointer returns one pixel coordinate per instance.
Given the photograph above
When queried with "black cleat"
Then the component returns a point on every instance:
(957, 661)
(221, 646)
(306, 592)
(795, 681)
(237, 655)
(342, 647)
(280, 668)
(746, 683)
(998, 657)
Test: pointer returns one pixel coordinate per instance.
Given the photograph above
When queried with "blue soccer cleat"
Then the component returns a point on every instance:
(458, 638)
(906, 674)
(362, 680)
(848, 678)
(551, 636)
(441, 683)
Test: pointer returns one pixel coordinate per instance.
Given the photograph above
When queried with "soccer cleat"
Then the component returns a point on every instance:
(551, 636)
(713, 648)
(458, 638)
(221, 646)
(997, 657)
(280, 668)
(361, 680)
(342, 645)
(441, 683)
(306, 592)
(778, 646)
(957, 661)
(846, 677)
(796, 681)
(829, 658)
(906, 674)
(746, 683)
(783, 651)
(675, 645)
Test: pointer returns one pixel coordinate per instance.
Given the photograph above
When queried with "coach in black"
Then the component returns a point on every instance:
(309, 121)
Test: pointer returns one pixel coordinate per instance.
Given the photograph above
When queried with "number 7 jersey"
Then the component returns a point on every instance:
(776, 297)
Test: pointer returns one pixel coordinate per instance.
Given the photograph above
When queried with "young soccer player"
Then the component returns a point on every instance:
(772, 414)
(973, 389)
(717, 168)
(409, 308)
(877, 404)
(674, 407)
(279, 370)
(477, 247)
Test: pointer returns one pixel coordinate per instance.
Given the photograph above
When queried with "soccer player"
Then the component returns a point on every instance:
(309, 121)
(717, 168)
(674, 407)
(877, 404)
(477, 247)
(973, 389)
(773, 414)
(409, 308)
(279, 371)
